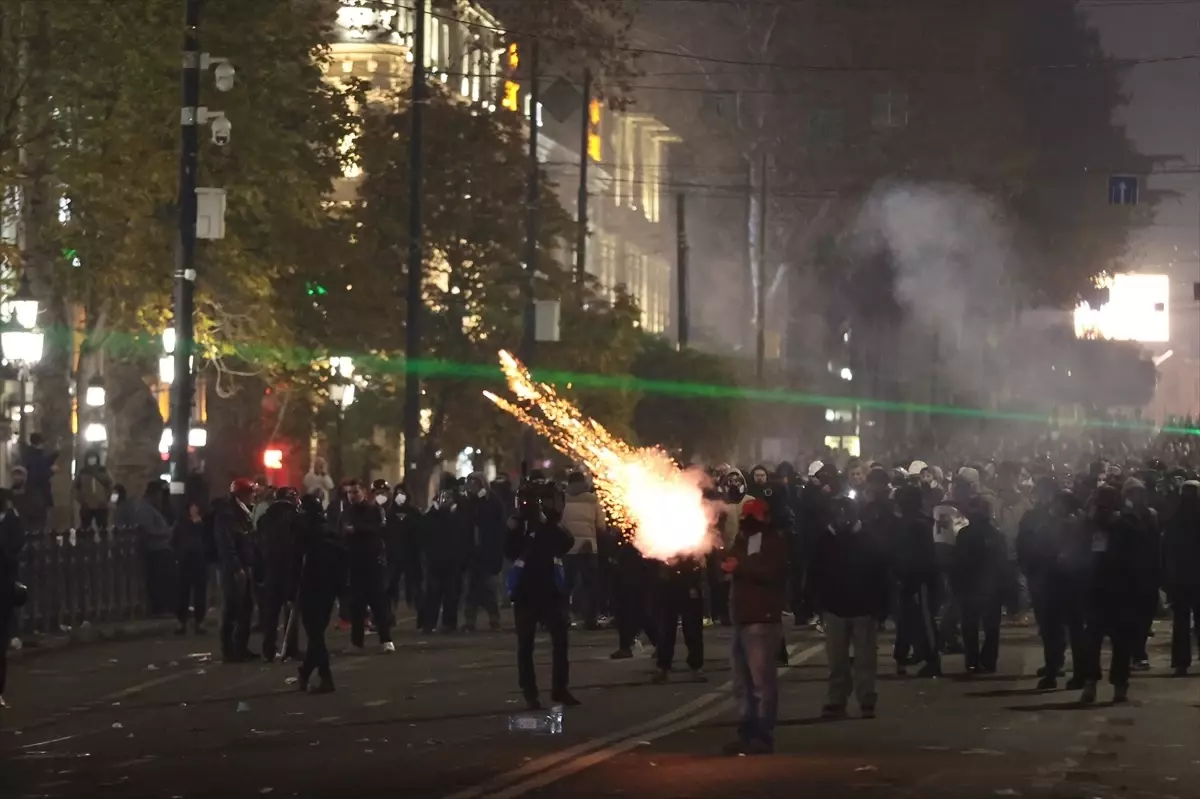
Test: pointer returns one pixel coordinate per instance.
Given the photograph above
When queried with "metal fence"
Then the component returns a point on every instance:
(78, 576)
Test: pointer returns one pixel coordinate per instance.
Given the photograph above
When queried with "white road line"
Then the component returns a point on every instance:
(547, 769)
(148, 684)
(47, 743)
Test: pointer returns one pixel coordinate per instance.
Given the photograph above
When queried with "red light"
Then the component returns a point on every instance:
(273, 459)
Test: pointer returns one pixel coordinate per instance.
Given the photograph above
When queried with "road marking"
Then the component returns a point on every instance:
(148, 684)
(545, 770)
(47, 743)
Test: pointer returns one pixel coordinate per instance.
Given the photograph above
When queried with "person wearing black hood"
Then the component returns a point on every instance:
(1037, 548)
(485, 512)
(536, 543)
(276, 537)
(980, 564)
(1118, 552)
(775, 494)
(849, 585)
(788, 480)
(361, 524)
(446, 546)
(402, 541)
(916, 569)
(234, 533)
(1137, 504)
(323, 575)
(1181, 574)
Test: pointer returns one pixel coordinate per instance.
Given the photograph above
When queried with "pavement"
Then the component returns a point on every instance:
(158, 717)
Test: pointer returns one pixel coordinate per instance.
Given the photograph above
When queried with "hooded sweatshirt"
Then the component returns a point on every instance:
(583, 517)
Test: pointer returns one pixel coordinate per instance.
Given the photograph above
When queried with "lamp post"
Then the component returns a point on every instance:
(341, 393)
(22, 343)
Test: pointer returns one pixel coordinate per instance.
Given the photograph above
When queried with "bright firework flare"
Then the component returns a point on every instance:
(659, 506)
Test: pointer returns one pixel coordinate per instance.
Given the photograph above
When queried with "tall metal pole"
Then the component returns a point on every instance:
(760, 333)
(529, 333)
(185, 256)
(414, 301)
(681, 267)
(585, 130)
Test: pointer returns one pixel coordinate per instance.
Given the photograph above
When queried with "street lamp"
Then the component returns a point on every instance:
(341, 392)
(95, 433)
(22, 342)
(95, 395)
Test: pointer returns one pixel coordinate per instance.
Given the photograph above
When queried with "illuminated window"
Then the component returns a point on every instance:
(539, 111)
(511, 92)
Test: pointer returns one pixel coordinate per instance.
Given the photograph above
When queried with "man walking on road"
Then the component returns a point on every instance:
(757, 564)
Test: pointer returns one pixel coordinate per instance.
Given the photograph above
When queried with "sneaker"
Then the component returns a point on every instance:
(1088, 696)
(1120, 694)
(698, 675)
(661, 676)
(1181, 671)
(868, 711)
(1140, 665)
(830, 712)
(621, 654)
(302, 682)
(387, 647)
(565, 698)
(1047, 684)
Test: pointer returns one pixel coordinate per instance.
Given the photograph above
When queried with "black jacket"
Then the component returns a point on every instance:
(1181, 553)
(402, 535)
(1037, 543)
(849, 569)
(361, 525)
(12, 541)
(276, 535)
(980, 558)
(537, 546)
(447, 536)
(1120, 552)
(486, 517)
(914, 556)
(324, 559)
(234, 536)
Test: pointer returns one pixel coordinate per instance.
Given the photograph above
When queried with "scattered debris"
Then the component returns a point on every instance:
(243, 707)
(1006, 792)
(375, 703)
(291, 680)
(152, 667)
(118, 725)
(866, 768)
(265, 791)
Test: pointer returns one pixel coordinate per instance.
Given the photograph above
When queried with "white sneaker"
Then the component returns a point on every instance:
(15, 643)
(388, 647)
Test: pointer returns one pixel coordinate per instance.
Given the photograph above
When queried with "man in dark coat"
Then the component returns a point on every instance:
(233, 533)
(485, 514)
(1181, 574)
(277, 547)
(12, 541)
(446, 546)
(361, 525)
(323, 573)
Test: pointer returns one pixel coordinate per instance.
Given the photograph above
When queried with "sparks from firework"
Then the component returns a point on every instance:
(658, 506)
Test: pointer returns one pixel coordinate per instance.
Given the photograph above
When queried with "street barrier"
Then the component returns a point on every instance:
(81, 576)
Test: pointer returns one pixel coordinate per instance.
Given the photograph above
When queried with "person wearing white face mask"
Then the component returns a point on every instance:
(485, 513)
(93, 485)
(401, 535)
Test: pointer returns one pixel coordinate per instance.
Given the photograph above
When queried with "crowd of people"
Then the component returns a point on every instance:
(1093, 552)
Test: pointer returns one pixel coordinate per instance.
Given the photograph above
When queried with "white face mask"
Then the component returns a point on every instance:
(482, 493)
(380, 499)
(401, 499)
(114, 499)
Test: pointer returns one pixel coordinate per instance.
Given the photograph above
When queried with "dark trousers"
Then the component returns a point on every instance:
(718, 590)
(237, 612)
(583, 586)
(680, 606)
(981, 612)
(1053, 617)
(1185, 617)
(630, 604)
(160, 566)
(315, 612)
(6, 616)
(367, 589)
(192, 588)
(96, 516)
(916, 625)
(1146, 608)
(552, 614)
(481, 593)
(443, 588)
(274, 600)
(1118, 621)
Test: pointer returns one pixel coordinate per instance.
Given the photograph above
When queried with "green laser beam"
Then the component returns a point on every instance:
(432, 368)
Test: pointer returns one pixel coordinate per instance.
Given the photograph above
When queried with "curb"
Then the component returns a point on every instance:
(87, 634)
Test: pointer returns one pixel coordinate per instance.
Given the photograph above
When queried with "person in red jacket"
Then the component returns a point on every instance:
(757, 565)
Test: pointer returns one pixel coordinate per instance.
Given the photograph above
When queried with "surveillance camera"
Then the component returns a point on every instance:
(223, 76)
(222, 129)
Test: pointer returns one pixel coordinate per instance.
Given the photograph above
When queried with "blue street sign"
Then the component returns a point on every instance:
(1122, 190)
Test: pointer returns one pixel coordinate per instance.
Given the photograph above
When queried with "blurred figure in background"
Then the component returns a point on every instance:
(93, 485)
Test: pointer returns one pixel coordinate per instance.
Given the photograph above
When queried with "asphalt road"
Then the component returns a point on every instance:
(159, 718)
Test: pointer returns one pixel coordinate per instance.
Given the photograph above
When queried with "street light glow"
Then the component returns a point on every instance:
(168, 340)
(96, 395)
(95, 433)
(847, 374)
(198, 437)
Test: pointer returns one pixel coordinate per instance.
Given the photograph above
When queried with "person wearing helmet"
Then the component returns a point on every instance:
(233, 532)
(361, 524)
(276, 536)
(323, 573)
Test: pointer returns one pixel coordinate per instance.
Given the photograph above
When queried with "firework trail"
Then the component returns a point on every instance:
(658, 506)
